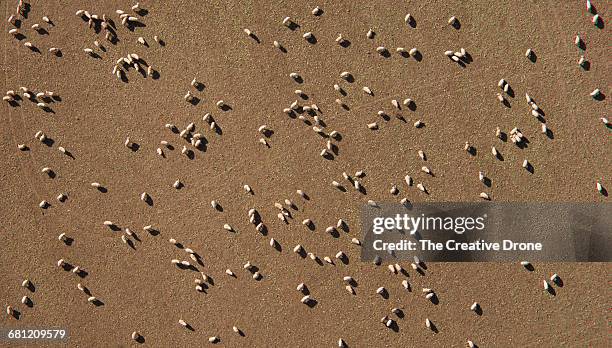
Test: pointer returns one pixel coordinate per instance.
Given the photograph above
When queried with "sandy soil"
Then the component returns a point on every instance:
(142, 291)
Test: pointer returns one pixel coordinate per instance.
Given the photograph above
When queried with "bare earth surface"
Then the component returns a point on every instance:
(143, 291)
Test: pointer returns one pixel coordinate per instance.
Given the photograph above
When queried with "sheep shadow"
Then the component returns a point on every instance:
(153, 232)
(312, 303)
(523, 144)
(311, 226)
(16, 314)
(194, 100)
(533, 57)
(199, 86)
(418, 56)
(264, 230)
(302, 253)
(35, 49)
(282, 48)
(599, 23)
(344, 259)
(363, 190)
(31, 287)
(412, 22)
(328, 156)
(550, 134)
(433, 327)
(42, 31)
(293, 26)
(25, 11)
(600, 96)
(349, 78)
(268, 133)
(255, 38)
(132, 26)
(135, 236)
(334, 233)
(312, 39)
(394, 326)
(385, 294)
(400, 313)
(134, 147)
(499, 156)
(190, 267)
(486, 181)
(82, 273)
(29, 303)
(14, 103)
(604, 191)
(148, 200)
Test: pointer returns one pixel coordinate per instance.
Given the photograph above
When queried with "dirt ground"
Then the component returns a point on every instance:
(143, 291)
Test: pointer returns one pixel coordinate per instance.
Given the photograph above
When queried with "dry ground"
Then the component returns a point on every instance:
(142, 291)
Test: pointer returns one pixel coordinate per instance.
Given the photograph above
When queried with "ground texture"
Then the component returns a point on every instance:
(139, 287)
